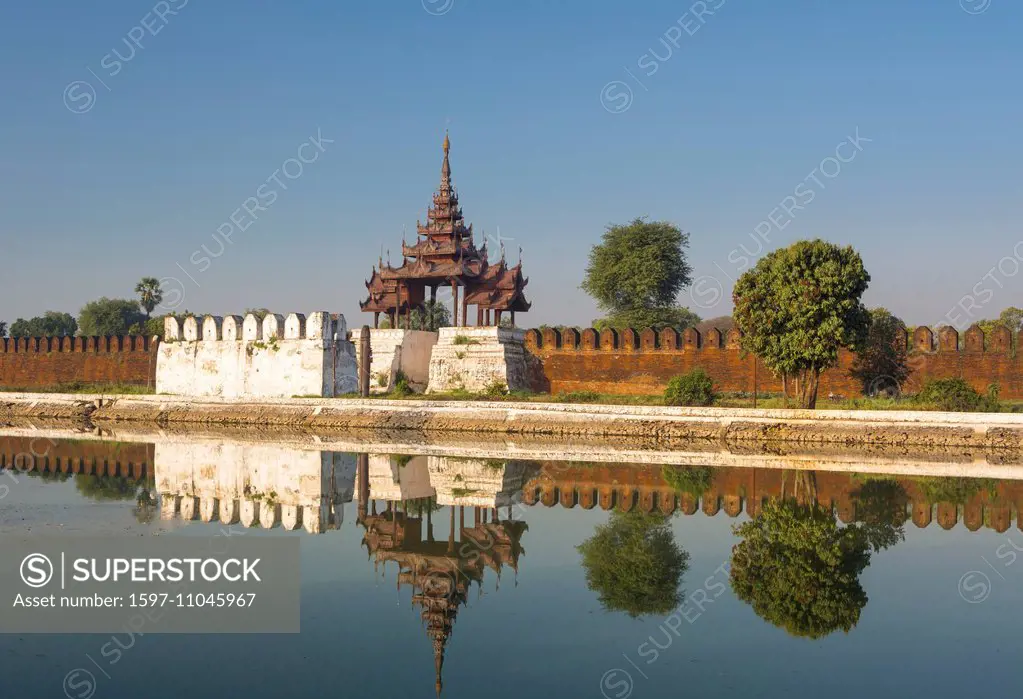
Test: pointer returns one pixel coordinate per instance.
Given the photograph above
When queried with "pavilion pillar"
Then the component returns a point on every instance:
(433, 294)
(479, 315)
(488, 316)
(512, 317)
(376, 319)
(461, 517)
(451, 532)
(465, 308)
(497, 317)
(454, 302)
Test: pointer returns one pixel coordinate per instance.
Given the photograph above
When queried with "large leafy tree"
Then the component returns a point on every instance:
(798, 306)
(880, 365)
(150, 294)
(634, 564)
(3, 328)
(799, 570)
(109, 317)
(636, 273)
(50, 324)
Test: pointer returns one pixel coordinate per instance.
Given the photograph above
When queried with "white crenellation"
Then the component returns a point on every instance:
(252, 329)
(190, 331)
(294, 327)
(211, 328)
(232, 328)
(278, 358)
(171, 329)
(273, 326)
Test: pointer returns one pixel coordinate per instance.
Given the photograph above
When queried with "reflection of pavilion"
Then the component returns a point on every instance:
(440, 572)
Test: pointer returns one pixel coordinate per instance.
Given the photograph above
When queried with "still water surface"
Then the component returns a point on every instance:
(504, 577)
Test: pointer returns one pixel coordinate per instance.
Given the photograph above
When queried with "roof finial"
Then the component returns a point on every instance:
(447, 142)
(520, 256)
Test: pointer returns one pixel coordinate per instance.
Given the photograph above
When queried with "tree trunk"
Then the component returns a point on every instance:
(808, 388)
(785, 389)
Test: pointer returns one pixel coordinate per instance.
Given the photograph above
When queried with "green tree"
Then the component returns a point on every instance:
(50, 324)
(798, 306)
(150, 294)
(109, 317)
(3, 328)
(880, 365)
(636, 273)
(634, 564)
(433, 316)
(799, 570)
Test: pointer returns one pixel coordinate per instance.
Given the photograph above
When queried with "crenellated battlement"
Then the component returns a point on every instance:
(634, 361)
(46, 345)
(922, 339)
(274, 357)
(319, 325)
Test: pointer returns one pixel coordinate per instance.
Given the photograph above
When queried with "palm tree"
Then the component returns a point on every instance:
(150, 294)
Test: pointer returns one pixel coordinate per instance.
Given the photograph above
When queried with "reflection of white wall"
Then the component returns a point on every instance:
(389, 480)
(254, 483)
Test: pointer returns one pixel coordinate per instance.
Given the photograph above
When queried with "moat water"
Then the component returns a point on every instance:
(501, 577)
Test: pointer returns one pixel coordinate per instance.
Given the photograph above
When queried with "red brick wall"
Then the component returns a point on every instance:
(39, 362)
(632, 362)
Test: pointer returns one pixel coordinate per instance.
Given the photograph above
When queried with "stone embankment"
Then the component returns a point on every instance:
(562, 420)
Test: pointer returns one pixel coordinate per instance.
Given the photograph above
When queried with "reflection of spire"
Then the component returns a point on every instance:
(438, 663)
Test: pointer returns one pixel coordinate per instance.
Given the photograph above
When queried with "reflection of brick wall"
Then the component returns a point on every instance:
(124, 459)
(40, 361)
(642, 362)
(734, 490)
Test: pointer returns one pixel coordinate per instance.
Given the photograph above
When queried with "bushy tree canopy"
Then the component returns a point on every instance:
(50, 324)
(109, 317)
(636, 273)
(880, 365)
(634, 564)
(799, 305)
(799, 570)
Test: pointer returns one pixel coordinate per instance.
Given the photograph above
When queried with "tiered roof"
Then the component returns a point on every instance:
(445, 251)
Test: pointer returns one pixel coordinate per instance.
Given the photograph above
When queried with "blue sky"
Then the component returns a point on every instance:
(188, 122)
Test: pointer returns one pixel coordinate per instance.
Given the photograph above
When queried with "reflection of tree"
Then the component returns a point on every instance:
(881, 511)
(107, 487)
(419, 507)
(693, 480)
(634, 564)
(800, 570)
(956, 491)
(145, 506)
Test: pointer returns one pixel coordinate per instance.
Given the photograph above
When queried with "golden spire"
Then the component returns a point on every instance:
(447, 142)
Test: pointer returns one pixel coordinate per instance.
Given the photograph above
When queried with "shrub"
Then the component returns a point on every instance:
(955, 395)
(495, 389)
(402, 387)
(693, 388)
